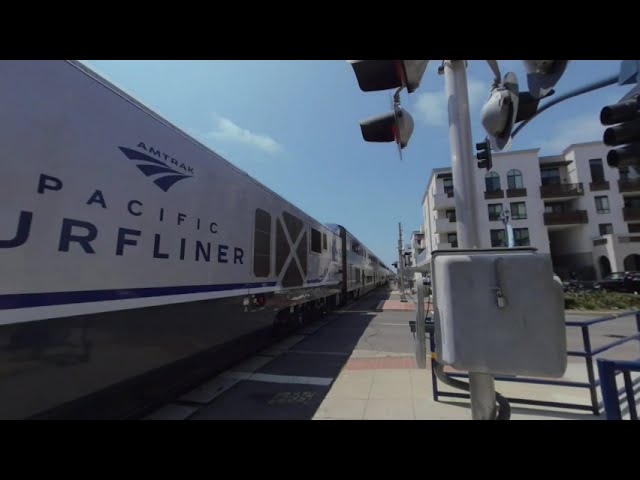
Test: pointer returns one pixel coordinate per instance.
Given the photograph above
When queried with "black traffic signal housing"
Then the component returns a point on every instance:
(543, 75)
(394, 126)
(376, 75)
(624, 134)
(484, 155)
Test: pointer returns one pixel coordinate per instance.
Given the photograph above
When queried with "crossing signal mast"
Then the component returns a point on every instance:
(505, 107)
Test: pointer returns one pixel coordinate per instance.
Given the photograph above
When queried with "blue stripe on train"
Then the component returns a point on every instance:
(25, 300)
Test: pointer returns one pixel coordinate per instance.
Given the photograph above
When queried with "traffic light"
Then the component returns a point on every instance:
(543, 75)
(395, 126)
(500, 111)
(528, 105)
(625, 133)
(376, 75)
(484, 155)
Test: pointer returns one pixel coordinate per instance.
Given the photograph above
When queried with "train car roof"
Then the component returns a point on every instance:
(335, 228)
(111, 85)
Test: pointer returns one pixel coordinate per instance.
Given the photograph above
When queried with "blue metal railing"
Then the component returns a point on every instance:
(588, 354)
(608, 369)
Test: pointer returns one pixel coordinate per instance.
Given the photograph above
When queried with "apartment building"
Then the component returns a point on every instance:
(416, 247)
(571, 206)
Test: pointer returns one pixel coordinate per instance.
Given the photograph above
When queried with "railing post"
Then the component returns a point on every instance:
(638, 324)
(631, 398)
(607, 372)
(434, 379)
(590, 370)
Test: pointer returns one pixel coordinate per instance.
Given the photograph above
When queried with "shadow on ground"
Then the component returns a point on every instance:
(292, 383)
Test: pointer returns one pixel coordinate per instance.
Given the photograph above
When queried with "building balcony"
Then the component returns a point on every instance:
(576, 217)
(599, 186)
(629, 186)
(615, 238)
(516, 192)
(421, 258)
(561, 191)
(631, 214)
(443, 246)
(444, 225)
(494, 194)
(443, 201)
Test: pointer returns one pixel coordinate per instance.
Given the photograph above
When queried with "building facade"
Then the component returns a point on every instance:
(572, 206)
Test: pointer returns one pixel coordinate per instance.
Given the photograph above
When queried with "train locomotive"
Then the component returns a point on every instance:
(135, 261)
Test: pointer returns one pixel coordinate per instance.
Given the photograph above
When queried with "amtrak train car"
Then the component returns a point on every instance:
(135, 261)
(362, 270)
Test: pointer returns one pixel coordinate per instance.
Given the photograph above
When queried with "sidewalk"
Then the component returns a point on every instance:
(387, 385)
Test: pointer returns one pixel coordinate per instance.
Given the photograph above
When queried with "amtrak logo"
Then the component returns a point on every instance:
(149, 163)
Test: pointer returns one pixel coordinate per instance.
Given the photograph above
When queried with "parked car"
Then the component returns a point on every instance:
(620, 282)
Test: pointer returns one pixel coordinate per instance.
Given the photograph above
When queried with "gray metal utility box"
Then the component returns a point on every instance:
(499, 311)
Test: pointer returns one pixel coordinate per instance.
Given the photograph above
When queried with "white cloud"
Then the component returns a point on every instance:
(583, 128)
(226, 130)
(432, 106)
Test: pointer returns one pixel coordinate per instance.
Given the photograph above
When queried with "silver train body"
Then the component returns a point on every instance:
(134, 261)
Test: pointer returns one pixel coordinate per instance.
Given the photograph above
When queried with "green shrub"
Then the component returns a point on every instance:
(601, 300)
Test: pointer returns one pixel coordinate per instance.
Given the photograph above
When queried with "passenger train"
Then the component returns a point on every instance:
(135, 262)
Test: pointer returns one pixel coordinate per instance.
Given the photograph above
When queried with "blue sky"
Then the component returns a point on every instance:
(293, 125)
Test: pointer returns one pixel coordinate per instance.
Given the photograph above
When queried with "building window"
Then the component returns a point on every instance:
(448, 186)
(597, 171)
(634, 227)
(632, 202)
(498, 238)
(605, 228)
(495, 211)
(521, 237)
(452, 238)
(554, 207)
(550, 176)
(514, 180)
(451, 215)
(492, 182)
(518, 211)
(602, 204)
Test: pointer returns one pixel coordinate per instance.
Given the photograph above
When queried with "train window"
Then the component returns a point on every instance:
(262, 244)
(282, 247)
(302, 253)
(294, 225)
(324, 241)
(316, 241)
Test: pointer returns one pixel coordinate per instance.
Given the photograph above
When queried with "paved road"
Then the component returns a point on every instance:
(291, 380)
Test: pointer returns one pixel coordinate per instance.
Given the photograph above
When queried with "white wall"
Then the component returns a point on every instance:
(575, 239)
(616, 202)
(527, 162)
